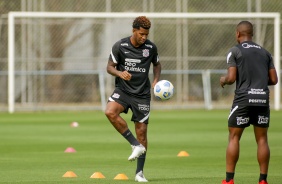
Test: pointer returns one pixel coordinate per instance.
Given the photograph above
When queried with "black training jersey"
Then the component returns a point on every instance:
(253, 63)
(137, 62)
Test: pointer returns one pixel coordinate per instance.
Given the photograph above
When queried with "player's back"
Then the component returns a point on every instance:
(253, 66)
(252, 73)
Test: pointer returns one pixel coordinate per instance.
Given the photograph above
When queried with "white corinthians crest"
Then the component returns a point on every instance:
(145, 52)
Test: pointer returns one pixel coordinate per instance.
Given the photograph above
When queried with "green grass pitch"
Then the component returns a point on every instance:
(32, 148)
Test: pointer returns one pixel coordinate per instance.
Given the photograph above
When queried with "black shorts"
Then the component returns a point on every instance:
(243, 116)
(140, 107)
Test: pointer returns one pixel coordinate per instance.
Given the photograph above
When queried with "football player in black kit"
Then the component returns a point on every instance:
(251, 66)
(130, 62)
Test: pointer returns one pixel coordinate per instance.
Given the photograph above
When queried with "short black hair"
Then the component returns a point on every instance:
(141, 21)
(245, 28)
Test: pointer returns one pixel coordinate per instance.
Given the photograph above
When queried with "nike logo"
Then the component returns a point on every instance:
(126, 52)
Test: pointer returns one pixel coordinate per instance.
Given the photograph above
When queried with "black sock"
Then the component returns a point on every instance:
(229, 176)
(130, 138)
(140, 163)
(262, 177)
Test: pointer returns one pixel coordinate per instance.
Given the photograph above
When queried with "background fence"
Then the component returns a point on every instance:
(60, 63)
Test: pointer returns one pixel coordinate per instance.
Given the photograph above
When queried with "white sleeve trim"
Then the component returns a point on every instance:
(228, 56)
(113, 57)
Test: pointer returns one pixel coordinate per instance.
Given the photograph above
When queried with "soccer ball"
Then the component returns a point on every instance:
(163, 90)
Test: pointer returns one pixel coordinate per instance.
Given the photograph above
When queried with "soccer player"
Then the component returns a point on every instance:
(251, 66)
(130, 62)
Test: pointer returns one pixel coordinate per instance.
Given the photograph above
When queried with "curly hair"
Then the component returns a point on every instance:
(141, 21)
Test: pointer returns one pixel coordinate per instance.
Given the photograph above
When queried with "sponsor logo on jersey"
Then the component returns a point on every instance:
(126, 52)
(124, 44)
(148, 45)
(262, 120)
(144, 107)
(257, 101)
(131, 65)
(135, 69)
(133, 60)
(145, 52)
(257, 92)
(116, 95)
(242, 121)
(246, 46)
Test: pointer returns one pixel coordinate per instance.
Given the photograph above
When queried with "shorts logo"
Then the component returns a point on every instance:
(144, 107)
(116, 95)
(262, 120)
(242, 121)
(145, 52)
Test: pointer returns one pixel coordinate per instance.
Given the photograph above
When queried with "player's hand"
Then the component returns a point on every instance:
(222, 81)
(125, 75)
(153, 84)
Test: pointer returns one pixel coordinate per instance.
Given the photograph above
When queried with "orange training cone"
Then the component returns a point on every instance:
(183, 154)
(97, 175)
(121, 177)
(69, 174)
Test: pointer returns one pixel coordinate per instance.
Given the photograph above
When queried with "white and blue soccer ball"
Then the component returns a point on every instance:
(163, 90)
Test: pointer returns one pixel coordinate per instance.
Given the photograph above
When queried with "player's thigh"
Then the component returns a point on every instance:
(141, 109)
(235, 133)
(239, 116)
(260, 134)
(113, 108)
(118, 102)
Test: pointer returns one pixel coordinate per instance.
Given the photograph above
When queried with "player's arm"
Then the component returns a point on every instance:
(272, 77)
(229, 78)
(111, 69)
(113, 62)
(233, 54)
(157, 68)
